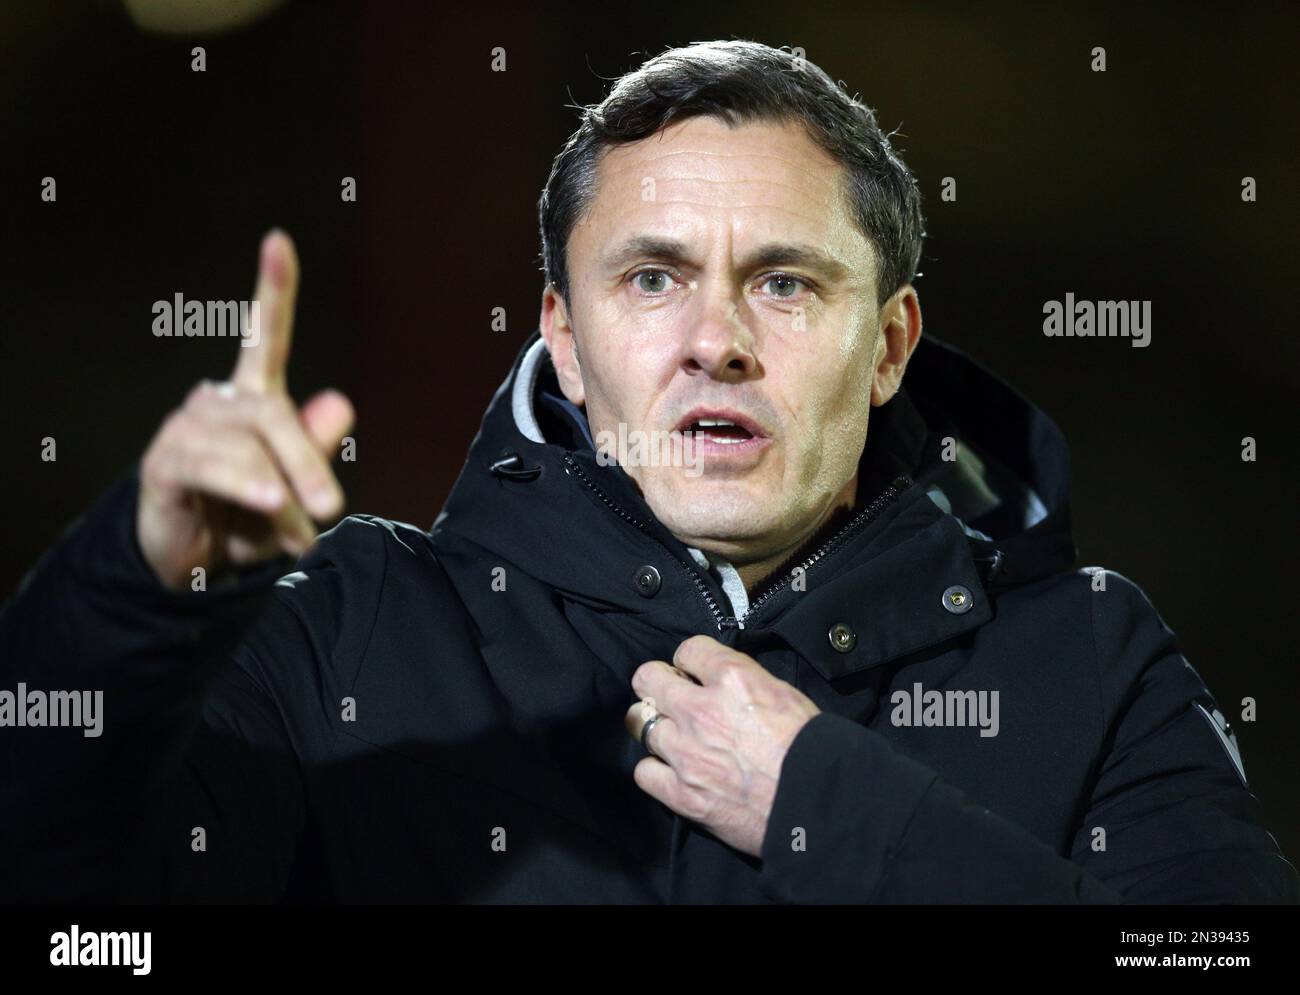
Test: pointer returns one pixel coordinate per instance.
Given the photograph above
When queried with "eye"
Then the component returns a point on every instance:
(788, 285)
(658, 281)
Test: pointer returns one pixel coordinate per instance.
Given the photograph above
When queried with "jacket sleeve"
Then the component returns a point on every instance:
(188, 736)
(1180, 825)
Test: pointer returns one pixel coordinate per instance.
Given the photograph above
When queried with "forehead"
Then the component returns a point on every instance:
(761, 179)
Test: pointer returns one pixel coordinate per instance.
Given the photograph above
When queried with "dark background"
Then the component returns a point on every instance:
(1117, 185)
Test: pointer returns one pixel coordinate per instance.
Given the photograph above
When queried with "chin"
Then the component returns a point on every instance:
(712, 514)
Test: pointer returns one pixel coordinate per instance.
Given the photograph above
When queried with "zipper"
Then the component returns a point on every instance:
(723, 621)
(855, 525)
(851, 528)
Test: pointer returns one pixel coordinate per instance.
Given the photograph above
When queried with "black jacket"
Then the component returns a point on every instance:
(385, 722)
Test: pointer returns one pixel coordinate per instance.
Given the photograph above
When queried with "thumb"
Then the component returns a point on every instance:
(328, 417)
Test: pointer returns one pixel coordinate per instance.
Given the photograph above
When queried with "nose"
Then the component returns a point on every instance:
(720, 344)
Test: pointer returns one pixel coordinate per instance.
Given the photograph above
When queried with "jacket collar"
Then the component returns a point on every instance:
(532, 494)
(534, 393)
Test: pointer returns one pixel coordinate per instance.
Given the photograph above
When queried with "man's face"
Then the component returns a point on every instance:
(720, 271)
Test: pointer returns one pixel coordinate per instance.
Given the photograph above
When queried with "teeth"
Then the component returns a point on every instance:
(709, 422)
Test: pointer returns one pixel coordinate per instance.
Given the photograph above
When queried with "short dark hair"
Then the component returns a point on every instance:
(738, 82)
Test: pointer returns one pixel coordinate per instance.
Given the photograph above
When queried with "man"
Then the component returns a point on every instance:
(832, 649)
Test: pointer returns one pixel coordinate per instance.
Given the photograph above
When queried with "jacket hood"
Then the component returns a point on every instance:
(957, 443)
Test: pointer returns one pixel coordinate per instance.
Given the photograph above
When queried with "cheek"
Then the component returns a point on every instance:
(624, 375)
(841, 375)
(857, 372)
(834, 424)
(843, 425)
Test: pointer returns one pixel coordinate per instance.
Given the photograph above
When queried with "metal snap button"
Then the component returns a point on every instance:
(647, 581)
(842, 638)
(957, 599)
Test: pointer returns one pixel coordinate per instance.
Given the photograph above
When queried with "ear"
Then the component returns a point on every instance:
(558, 333)
(900, 331)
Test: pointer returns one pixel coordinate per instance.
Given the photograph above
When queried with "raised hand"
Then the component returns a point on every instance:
(237, 473)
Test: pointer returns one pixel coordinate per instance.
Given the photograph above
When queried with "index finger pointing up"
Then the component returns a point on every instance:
(264, 355)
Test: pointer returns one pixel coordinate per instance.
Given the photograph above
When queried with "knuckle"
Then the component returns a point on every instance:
(206, 394)
(199, 392)
(177, 433)
(157, 467)
(732, 676)
(697, 805)
(203, 465)
(695, 643)
(161, 441)
(273, 409)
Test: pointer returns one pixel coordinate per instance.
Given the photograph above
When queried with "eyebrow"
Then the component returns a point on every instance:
(769, 254)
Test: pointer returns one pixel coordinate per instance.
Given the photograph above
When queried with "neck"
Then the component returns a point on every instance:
(755, 574)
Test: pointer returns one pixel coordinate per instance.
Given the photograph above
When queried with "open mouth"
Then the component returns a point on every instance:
(719, 430)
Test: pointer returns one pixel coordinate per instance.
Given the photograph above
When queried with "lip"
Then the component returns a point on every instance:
(732, 452)
(727, 414)
(726, 452)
